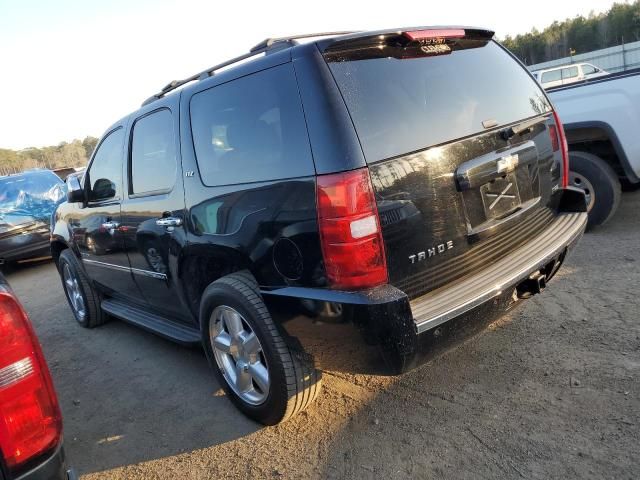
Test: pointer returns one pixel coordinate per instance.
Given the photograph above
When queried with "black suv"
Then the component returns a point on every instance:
(407, 183)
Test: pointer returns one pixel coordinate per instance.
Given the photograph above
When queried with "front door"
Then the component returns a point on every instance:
(153, 212)
(97, 231)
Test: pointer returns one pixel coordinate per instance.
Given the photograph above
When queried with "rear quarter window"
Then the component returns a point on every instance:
(251, 129)
(400, 105)
(552, 76)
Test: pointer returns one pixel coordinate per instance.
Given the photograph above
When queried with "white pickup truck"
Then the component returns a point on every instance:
(601, 119)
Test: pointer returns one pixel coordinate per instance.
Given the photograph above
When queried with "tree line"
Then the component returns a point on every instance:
(620, 24)
(72, 154)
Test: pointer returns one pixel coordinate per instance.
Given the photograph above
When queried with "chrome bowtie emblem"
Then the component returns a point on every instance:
(507, 163)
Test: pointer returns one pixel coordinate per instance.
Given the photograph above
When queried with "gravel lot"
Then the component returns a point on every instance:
(550, 391)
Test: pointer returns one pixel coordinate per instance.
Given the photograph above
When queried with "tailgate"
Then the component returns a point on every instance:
(459, 140)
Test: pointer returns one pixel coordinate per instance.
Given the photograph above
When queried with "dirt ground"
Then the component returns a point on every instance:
(550, 391)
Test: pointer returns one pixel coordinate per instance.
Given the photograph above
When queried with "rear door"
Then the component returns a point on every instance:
(153, 210)
(455, 135)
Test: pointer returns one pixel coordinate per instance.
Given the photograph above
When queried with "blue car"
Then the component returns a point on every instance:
(27, 202)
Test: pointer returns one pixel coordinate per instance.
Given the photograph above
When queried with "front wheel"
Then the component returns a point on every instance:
(82, 297)
(600, 184)
(267, 380)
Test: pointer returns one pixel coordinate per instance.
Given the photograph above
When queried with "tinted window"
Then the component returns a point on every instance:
(105, 173)
(552, 76)
(400, 105)
(251, 129)
(571, 72)
(153, 153)
(588, 69)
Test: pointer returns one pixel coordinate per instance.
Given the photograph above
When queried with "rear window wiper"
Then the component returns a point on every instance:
(520, 129)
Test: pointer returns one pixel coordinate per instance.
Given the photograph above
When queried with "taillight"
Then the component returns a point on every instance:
(350, 233)
(30, 421)
(559, 142)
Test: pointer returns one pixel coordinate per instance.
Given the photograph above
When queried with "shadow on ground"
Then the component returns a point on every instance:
(550, 391)
(127, 396)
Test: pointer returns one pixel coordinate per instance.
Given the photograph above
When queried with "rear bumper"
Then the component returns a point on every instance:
(540, 253)
(410, 332)
(53, 468)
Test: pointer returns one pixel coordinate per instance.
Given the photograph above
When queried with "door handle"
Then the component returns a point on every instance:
(110, 225)
(169, 222)
(480, 170)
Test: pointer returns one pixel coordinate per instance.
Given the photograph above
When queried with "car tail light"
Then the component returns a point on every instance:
(30, 421)
(350, 232)
(435, 33)
(559, 142)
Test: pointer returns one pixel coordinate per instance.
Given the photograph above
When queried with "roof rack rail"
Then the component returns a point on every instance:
(270, 42)
(198, 76)
(264, 46)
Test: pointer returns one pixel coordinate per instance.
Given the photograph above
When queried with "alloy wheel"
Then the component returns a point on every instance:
(72, 288)
(239, 355)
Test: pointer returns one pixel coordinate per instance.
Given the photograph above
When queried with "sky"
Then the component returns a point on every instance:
(70, 68)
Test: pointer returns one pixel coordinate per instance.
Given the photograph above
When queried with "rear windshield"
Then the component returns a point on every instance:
(400, 105)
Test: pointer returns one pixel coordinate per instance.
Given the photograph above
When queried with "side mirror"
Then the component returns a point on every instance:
(75, 192)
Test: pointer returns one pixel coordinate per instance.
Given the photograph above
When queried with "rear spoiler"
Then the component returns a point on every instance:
(402, 38)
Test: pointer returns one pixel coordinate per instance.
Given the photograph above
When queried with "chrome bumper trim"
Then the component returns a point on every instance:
(446, 303)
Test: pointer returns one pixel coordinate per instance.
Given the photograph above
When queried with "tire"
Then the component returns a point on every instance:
(328, 312)
(91, 315)
(601, 185)
(293, 381)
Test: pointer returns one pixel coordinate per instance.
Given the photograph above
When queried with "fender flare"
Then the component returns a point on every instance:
(615, 142)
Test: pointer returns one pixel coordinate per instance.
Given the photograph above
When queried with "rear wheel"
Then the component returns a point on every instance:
(600, 184)
(82, 297)
(266, 379)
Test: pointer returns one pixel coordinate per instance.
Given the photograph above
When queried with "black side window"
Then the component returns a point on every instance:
(105, 172)
(153, 154)
(251, 129)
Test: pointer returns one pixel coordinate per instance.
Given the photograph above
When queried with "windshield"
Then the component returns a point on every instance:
(30, 194)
